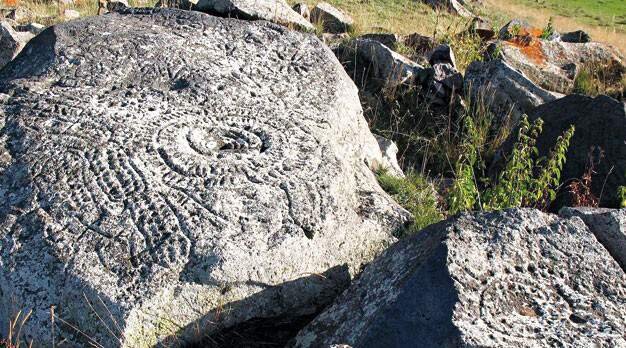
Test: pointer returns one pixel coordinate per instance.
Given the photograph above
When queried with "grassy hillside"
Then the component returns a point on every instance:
(598, 12)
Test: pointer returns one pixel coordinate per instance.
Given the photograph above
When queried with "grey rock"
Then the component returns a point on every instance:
(483, 28)
(303, 10)
(453, 6)
(577, 36)
(11, 42)
(506, 91)
(609, 227)
(442, 54)
(389, 150)
(187, 5)
(276, 11)
(446, 84)
(515, 278)
(116, 5)
(388, 39)
(33, 28)
(600, 128)
(333, 19)
(374, 66)
(206, 184)
(69, 15)
(554, 65)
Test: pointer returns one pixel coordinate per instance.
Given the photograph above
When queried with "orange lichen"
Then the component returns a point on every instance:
(9, 3)
(530, 47)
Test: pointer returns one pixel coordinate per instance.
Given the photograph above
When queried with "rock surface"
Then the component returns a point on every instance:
(389, 150)
(506, 91)
(333, 19)
(609, 227)
(517, 278)
(554, 65)
(303, 10)
(11, 42)
(374, 66)
(577, 36)
(276, 11)
(600, 126)
(168, 172)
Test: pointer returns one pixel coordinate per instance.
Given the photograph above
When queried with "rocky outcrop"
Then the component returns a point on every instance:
(600, 128)
(554, 65)
(220, 178)
(506, 91)
(481, 27)
(577, 36)
(389, 150)
(11, 42)
(517, 278)
(609, 227)
(333, 20)
(375, 67)
(276, 11)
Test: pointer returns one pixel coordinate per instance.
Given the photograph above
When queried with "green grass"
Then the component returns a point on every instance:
(416, 195)
(596, 12)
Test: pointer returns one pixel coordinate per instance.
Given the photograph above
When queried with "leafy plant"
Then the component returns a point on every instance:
(621, 193)
(525, 180)
(416, 195)
(548, 31)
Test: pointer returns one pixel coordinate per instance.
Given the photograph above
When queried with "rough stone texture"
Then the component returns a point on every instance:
(388, 39)
(11, 42)
(276, 11)
(333, 20)
(519, 28)
(374, 66)
(180, 172)
(389, 150)
(442, 54)
(609, 227)
(504, 89)
(517, 278)
(600, 126)
(33, 28)
(554, 65)
(69, 15)
(303, 10)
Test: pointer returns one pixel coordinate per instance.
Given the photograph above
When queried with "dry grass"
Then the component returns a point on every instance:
(48, 12)
(501, 11)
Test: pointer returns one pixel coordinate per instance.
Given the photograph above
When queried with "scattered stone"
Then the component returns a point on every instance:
(600, 128)
(609, 227)
(11, 42)
(514, 278)
(33, 28)
(303, 10)
(442, 54)
(69, 15)
(388, 39)
(518, 28)
(154, 191)
(390, 156)
(446, 86)
(276, 11)
(507, 92)
(577, 36)
(333, 20)
(482, 28)
(375, 67)
(116, 5)
(453, 6)
(554, 65)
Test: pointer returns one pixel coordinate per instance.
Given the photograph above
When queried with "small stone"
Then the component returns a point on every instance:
(69, 15)
(333, 20)
(577, 36)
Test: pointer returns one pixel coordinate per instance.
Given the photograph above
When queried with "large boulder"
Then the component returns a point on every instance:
(609, 227)
(554, 65)
(516, 278)
(507, 92)
(375, 67)
(276, 11)
(168, 172)
(11, 42)
(600, 129)
(333, 20)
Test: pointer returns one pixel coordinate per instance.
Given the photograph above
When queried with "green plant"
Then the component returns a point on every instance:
(548, 31)
(621, 193)
(416, 195)
(525, 180)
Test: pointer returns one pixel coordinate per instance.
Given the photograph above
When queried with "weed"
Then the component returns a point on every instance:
(416, 195)
(548, 31)
(595, 79)
(581, 188)
(621, 193)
